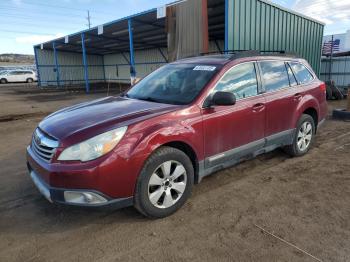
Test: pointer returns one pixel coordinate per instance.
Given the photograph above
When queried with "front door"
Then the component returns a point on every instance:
(232, 132)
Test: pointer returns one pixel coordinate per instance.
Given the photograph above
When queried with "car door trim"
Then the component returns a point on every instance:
(248, 151)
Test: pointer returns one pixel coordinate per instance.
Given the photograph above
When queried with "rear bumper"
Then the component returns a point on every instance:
(61, 195)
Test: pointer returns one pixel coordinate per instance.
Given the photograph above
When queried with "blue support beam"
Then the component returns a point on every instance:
(86, 73)
(131, 44)
(37, 65)
(226, 25)
(57, 67)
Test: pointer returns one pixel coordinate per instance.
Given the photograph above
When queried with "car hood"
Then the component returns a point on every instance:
(99, 116)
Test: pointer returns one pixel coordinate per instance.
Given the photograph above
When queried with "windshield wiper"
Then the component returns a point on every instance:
(150, 99)
(124, 94)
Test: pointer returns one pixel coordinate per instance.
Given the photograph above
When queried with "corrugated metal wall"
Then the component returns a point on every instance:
(149, 60)
(117, 65)
(260, 25)
(340, 71)
(188, 37)
(71, 69)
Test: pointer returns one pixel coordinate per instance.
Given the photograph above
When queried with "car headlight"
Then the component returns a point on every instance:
(94, 147)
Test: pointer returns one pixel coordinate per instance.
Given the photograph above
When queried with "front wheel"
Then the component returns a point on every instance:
(304, 136)
(3, 81)
(165, 183)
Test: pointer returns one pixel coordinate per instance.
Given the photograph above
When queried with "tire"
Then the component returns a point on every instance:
(156, 195)
(3, 81)
(29, 80)
(341, 114)
(298, 147)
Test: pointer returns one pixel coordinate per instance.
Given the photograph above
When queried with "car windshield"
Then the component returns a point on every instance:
(176, 84)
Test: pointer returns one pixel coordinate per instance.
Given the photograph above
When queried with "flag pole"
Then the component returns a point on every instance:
(330, 60)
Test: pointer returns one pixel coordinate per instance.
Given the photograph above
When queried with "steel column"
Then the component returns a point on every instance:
(86, 73)
(226, 25)
(131, 44)
(37, 65)
(56, 63)
(205, 28)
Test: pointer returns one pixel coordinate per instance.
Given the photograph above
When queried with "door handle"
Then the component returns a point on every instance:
(298, 96)
(258, 107)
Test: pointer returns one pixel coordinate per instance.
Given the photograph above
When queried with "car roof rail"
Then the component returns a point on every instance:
(246, 53)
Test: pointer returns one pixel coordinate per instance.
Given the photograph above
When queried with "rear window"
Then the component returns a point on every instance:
(302, 74)
(274, 75)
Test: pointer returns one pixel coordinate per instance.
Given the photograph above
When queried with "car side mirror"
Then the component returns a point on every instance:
(221, 98)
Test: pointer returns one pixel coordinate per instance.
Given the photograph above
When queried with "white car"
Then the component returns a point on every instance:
(13, 76)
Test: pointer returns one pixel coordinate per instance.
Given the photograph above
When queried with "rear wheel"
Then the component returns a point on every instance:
(3, 81)
(165, 183)
(303, 137)
(30, 80)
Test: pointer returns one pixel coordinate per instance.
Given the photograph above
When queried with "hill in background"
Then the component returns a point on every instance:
(16, 59)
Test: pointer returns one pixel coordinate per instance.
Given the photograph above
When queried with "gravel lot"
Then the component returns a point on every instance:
(304, 201)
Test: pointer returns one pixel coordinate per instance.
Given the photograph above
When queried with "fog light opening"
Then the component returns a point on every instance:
(80, 197)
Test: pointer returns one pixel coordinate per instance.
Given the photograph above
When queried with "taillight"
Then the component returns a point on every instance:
(323, 87)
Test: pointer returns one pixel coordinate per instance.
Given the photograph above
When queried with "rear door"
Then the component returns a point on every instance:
(231, 132)
(282, 95)
(27, 74)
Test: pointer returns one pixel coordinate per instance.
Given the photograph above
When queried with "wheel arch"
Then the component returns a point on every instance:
(308, 106)
(311, 111)
(189, 151)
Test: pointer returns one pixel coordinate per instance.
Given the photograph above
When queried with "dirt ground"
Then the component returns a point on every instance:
(305, 201)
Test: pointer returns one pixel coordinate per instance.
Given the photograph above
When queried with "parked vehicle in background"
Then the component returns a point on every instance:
(13, 76)
(179, 124)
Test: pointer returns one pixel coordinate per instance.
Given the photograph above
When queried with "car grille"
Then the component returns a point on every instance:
(43, 146)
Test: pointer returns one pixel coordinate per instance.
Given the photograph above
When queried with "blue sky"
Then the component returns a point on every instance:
(28, 22)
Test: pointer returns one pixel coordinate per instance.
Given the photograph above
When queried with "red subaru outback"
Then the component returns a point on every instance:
(179, 124)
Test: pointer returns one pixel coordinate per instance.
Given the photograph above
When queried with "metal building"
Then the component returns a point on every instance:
(138, 44)
(336, 69)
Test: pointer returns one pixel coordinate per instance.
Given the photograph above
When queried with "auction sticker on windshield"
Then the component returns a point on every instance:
(204, 68)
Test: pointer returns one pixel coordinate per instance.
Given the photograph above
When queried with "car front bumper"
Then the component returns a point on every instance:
(77, 197)
(78, 185)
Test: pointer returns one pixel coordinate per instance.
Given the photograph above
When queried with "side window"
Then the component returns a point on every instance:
(302, 74)
(292, 80)
(274, 75)
(240, 80)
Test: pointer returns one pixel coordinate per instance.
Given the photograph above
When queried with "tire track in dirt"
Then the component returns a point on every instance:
(9, 118)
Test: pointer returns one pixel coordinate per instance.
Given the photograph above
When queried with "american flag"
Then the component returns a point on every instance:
(327, 46)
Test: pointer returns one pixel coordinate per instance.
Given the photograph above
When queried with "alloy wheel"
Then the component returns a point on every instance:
(304, 136)
(167, 184)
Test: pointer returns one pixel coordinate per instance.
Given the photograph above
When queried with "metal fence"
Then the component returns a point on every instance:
(336, 69)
